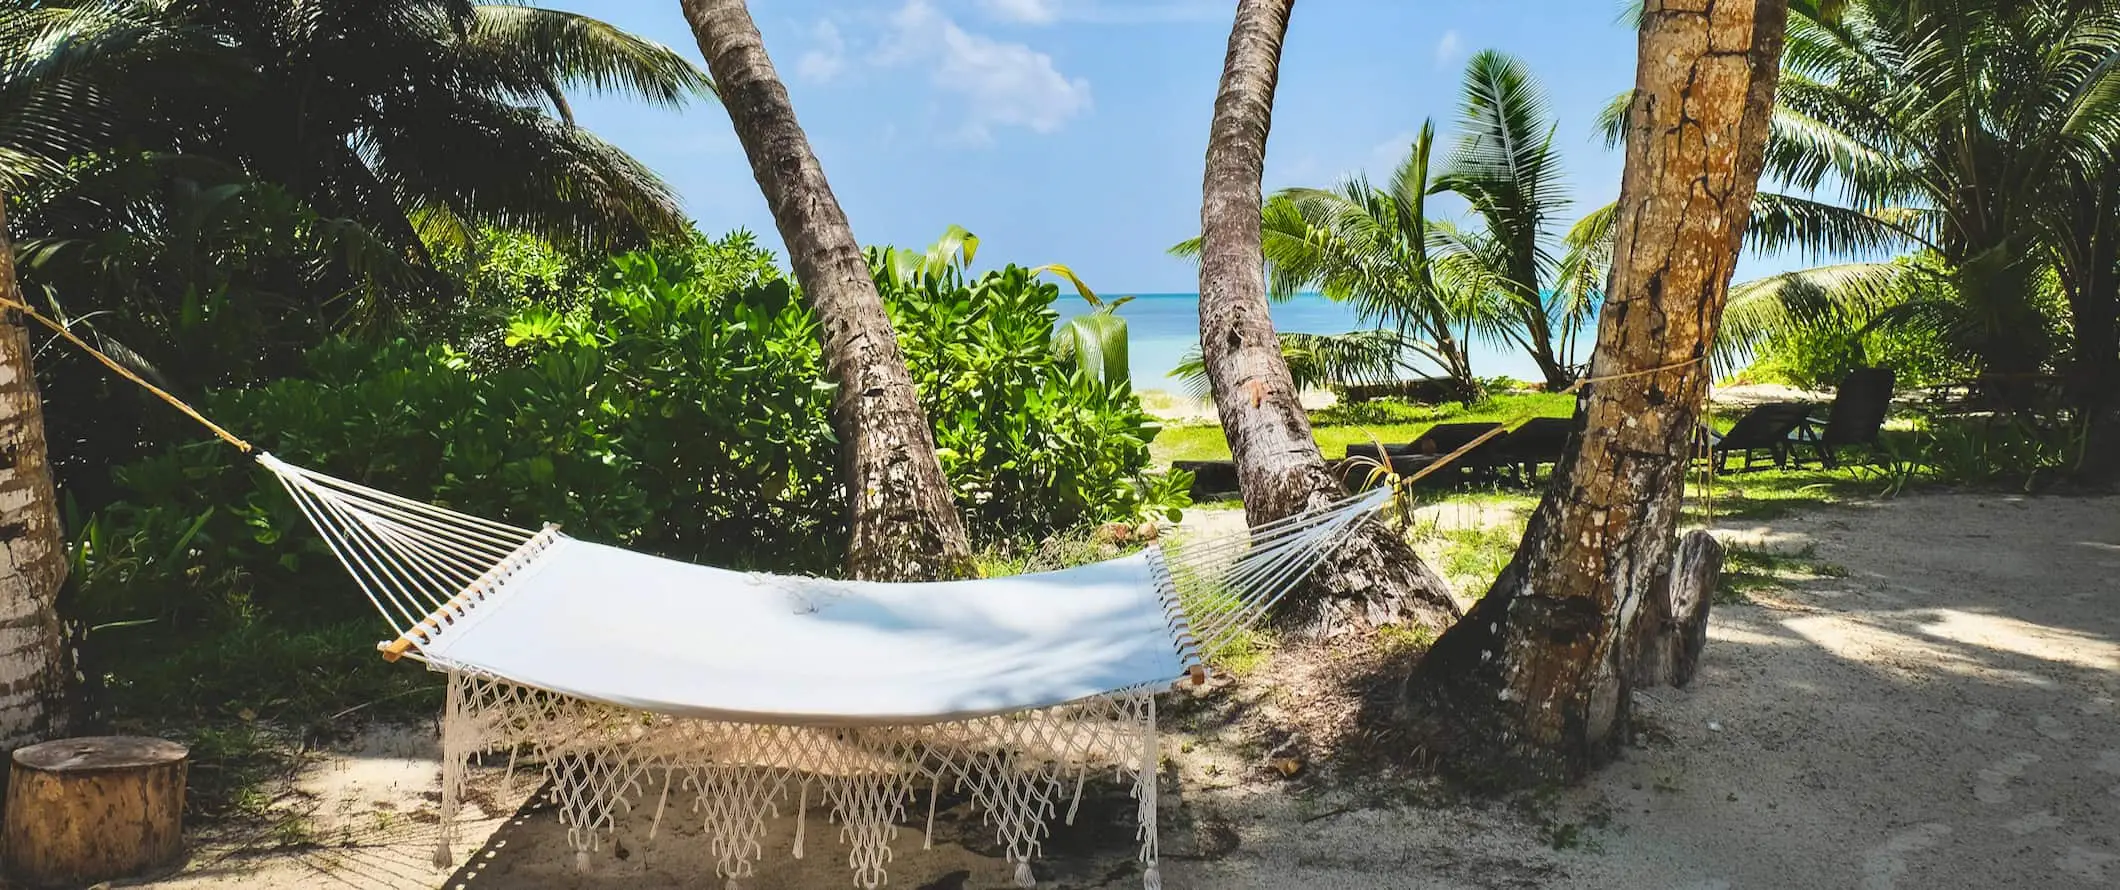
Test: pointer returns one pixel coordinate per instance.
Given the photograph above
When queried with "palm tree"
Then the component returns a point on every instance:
(1506, 167)
(1978, 133)
(420, 119)
(210, 189)
(33, 666)
(1375, 577)
(904, 527)
(1369, 246)
(1512, 278)
(1533, 685)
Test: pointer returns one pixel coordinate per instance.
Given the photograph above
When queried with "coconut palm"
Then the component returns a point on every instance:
(1369, 246)
(1506, 167)
(420, 119)
(1508, 277)
(1534, 685)
(904, 527)
(1978, 133)
(1375, 577)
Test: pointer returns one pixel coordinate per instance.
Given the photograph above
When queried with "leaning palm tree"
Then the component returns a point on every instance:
(904, 527)
(1374, 577)
(1533, 686)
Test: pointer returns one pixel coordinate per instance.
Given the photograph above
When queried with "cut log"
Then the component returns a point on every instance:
(1672, 627)
(85, 810)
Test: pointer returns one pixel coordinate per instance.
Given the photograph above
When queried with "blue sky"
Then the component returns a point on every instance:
(1073, 130)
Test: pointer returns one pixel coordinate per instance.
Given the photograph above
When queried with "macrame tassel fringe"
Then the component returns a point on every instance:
(934, 794)
(802, 810)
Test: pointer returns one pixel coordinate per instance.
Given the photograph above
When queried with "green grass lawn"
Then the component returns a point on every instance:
(1389, 422)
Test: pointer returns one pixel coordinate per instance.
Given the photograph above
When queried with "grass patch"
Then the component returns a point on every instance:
(1243, 654)
(1749, 570)
(1391, 422)
(1765, 495)
(1478, 554)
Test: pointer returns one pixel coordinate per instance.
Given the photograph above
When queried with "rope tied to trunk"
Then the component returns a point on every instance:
(127, 373)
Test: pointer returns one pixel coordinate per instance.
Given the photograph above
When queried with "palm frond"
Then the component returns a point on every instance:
(540, 52)
(1786, 222)
(1844, 296)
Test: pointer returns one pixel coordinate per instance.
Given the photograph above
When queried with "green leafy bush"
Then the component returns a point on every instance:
(1819, 357)
(678, 407)
(1030, 442)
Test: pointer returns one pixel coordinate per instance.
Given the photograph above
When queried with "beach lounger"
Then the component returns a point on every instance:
(1855, 418)
(1538, 441)
(1770, 428)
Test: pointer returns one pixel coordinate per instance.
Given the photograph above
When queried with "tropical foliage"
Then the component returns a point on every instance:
(1980, 135)
(210, 190)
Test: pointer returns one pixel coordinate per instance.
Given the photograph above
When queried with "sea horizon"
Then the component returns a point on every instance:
(1163, 327)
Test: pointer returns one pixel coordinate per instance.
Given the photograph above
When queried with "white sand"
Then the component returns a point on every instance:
(1944, 716)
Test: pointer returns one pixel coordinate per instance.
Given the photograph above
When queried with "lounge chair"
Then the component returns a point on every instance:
(1855, 418)
(1770, 428)
(1411, 457)
(1212, 479)
(1540, 440)
(1444, 438)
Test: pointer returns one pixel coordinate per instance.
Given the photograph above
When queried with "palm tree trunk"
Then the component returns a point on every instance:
(2090, 274)
(1530, 687)
(1375, 578)
(904, 525)
(2094, 380)
(32, 556)
(1540, 334)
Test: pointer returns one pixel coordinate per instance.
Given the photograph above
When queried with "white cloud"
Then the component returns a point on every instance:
(1107, 12)
(828, 58)
(1001, 84)
(1448, 49)
(1035, 12)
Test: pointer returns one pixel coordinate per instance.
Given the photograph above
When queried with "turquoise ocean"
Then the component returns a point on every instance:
(1162, 328)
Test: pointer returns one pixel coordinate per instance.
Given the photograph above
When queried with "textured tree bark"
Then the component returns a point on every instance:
(85, 810)
(905, 527)
(1373, 578)
(1672, 628)
(1533, 685)
(33, 664)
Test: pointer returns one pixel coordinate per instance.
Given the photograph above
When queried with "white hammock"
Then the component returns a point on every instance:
(628, 675)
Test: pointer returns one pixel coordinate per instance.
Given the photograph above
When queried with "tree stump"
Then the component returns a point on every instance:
(1672, 627)
(85, 810)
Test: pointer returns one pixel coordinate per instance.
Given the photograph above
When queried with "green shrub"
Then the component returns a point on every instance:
(1030, 443)
(1818, 358)
(678, 407)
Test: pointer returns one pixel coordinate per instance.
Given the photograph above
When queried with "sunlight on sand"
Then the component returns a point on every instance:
(2025, 638)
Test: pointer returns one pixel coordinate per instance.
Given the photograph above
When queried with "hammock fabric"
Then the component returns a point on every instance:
(629, 676)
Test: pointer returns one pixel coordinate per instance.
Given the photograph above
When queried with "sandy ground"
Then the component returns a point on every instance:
(1184, 410)
(1942, 716)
